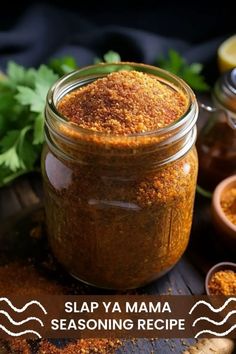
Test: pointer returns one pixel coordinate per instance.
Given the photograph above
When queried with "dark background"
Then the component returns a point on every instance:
(31, 32)
(194, 21)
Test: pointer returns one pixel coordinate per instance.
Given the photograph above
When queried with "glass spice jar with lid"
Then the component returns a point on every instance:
(216, 142)
(119, 169)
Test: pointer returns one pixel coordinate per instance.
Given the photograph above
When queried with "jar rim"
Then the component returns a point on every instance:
(71, 81)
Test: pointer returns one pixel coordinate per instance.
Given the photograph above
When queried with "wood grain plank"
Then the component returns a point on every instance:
(174, 283)
(193, 279)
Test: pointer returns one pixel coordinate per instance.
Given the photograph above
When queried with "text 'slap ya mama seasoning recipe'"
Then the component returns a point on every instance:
(119, 170)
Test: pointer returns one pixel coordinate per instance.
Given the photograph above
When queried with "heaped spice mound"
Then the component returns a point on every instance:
(123, 103)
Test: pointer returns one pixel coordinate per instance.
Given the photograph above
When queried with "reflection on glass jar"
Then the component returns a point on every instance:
(118, 208)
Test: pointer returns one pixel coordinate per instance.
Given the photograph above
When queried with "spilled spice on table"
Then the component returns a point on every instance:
(82, 346)
(19, 346)
(21, 278)
(223, 283)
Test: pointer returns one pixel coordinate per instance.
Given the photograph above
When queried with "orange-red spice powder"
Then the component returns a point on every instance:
(223, 283)
(124, 103)
(228, 204)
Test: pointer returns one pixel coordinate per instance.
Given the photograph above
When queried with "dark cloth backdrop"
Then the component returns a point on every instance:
(31, 33)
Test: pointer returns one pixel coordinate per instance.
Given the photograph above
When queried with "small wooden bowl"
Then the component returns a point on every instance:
(225, 228)
(216, 268)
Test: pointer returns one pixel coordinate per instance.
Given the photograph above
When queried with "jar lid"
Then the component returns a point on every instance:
(225, 90)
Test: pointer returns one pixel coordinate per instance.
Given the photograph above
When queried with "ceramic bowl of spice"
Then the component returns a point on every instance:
(224, 210)
(221, 279)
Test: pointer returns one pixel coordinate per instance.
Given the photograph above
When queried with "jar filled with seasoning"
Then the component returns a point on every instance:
(119, 168)
(216, 143)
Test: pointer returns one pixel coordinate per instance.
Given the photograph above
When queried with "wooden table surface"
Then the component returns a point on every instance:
(185, 278)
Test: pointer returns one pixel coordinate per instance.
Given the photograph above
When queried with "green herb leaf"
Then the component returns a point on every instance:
(35, 98)
(195, 80)
(14, 151)
(15, 72)
(63, 65)
(9, 140)
(173, 63)
(9, 157)
(112, 57)
(109, 57)
(196, 68)
(23, 96)
(27, 155)
(18, 75)
(45, 76)
(176, 64)
(28, 97)
(6, 101)
(38, 129)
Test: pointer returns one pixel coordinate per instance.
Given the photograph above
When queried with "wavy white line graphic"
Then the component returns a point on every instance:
(19, 333)
(22, 309)
(212, 321)
(21, 322)
(213, 309)
(216, 333)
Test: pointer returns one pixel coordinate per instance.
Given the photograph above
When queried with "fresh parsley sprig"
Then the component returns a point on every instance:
(23, 95)
(191, 73)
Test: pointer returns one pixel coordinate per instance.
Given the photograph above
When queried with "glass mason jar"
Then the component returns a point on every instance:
(118, 208)
(217, 139)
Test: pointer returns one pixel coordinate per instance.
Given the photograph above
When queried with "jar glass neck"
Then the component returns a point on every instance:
(150, 149)
(224, 91)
